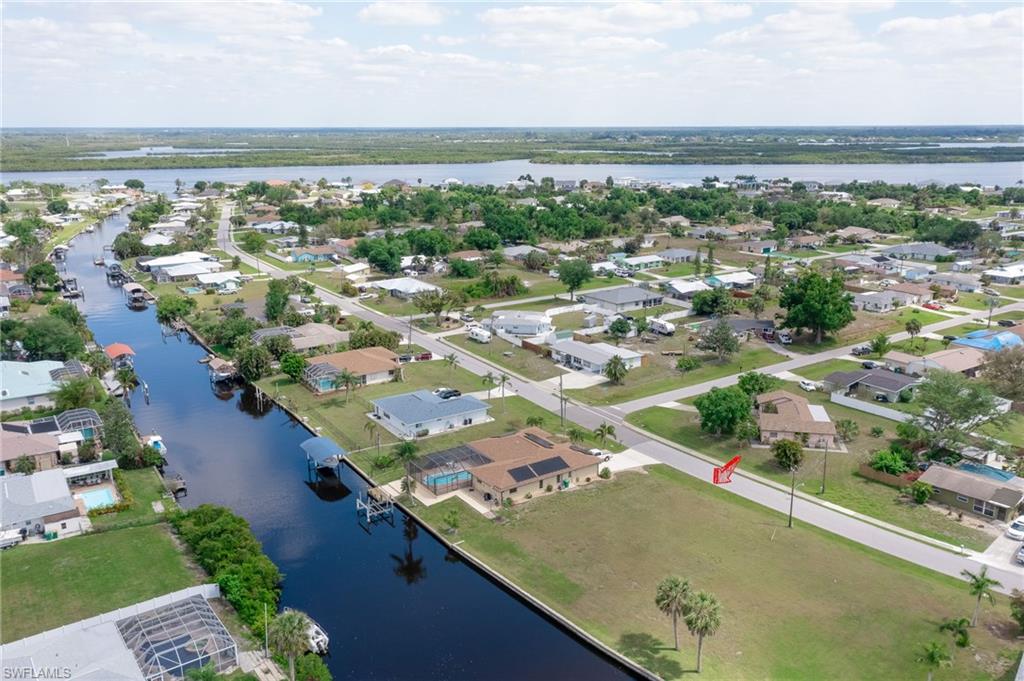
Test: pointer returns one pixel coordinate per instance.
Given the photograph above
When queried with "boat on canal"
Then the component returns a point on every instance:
(157, 443)
(316, 637)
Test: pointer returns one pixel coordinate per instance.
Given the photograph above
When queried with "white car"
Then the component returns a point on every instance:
(1020, 555)
(784, 338)
(809, 386)
(1016, 529)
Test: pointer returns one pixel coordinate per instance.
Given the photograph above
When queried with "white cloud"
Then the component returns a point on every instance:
(723, 11)
(446, 40)
(390, 13)
(993, 32)
(259, 18)
(633, 17)
(621, 44)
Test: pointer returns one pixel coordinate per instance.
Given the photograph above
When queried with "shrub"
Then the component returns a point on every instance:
(548, 488)
(921, 491)
(887, 461)
(877, 431)
(528, 495)
(848, 429)
(605, 473)
(687, 363)
(310, 667)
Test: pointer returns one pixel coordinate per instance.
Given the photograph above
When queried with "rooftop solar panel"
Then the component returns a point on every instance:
(521, 473)
(538, 440)
(549, 466)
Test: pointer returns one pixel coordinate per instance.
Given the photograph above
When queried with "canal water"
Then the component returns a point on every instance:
(395, 602)
(1003, 174)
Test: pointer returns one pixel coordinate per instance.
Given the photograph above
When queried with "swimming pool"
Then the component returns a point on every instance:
(448, 478)
(97, 498)
(987, 471)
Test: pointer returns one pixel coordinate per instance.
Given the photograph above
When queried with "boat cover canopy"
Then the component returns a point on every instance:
(322, 448)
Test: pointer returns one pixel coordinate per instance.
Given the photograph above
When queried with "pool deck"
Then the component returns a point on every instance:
(77, 492)
(427, 498)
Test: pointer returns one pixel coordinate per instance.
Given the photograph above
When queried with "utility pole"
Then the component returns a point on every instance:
(561, 401)
(792, 494)
(824, 469)
(410, 333)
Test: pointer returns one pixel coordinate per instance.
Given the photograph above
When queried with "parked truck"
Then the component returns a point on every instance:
(661, 326)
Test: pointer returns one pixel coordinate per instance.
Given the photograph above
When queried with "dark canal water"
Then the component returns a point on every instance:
(395, 603)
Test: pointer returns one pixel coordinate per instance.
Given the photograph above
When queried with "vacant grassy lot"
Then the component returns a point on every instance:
(1010, 291)
(146, 487)
(797, 604)
(843, 485)
(511, 357)
(1015, 315)
(973, 301)
(679, 269)
(962, 329)
(47, 585)
(816, 372)
(866, 326)
(252, 291)
(661, 375)
(919, 345)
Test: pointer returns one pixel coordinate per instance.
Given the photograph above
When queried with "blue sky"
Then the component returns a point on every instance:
(511, 64)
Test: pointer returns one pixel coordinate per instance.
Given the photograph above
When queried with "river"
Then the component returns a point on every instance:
(499, 172)
(395, 602)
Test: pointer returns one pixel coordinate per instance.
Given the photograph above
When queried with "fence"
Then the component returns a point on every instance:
(869, 407)
(870, 473)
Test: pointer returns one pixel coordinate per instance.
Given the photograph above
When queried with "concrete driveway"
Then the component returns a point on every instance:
(1001, 554)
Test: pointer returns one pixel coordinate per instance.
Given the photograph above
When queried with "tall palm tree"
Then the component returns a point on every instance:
(502, 380)
(489, 382)
(959, 627)
(913, 327)
(615, 370)
(933, 655)
(127, 378)
(703, 617)
(347, 380)
(406, 453)
(672, 598)
(288, 635)
(373, 429)
(980, 586)
(604, 431)
(451, 361)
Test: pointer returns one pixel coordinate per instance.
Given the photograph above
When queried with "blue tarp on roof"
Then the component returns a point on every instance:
(322, 448)
(990, 340)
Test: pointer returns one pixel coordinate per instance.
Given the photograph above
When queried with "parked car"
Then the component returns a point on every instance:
(785, 338)
(424, 357)
(447, 393)
(1006, 322)
(990, 292)
(625, 274)
(868, 364)
(881, 397)
(861, 350)
(933, 306)
(366, 296)
(1020, 555)
(809, 386)
(1016, 529)
(768, 335)
(405, 358)
(466, 317)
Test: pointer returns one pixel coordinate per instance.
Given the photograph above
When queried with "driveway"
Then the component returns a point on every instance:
(1001, 554)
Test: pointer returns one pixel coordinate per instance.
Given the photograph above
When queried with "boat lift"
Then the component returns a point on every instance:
(323, 455)
(376, 504)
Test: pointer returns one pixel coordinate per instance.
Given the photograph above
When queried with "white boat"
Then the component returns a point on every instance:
(316, 636)
(90, 229)
(157, 443)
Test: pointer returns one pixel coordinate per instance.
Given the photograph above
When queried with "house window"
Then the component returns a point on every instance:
(467, 421)
(983, 508)
(962, 499)
(513, 490)
(540, 485)
(63, 526)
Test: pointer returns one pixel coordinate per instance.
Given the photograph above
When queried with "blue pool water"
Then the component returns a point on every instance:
(97, 498)
(448, 478)
(987, 471)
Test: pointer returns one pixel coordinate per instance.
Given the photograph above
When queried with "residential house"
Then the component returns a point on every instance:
(916, 293)
(275, 226)
(713, 233)
(927, 250)
(222, 282)
(674, 221)
(367, 365)
(810, 241)
(963, 266)
(677, 255)
(312, 254)
(857, 235)
(342, 247)
(471, 255)
(992, 494)
(639, 263)
(781, 415)
(967, 283)
(749, 230)
(42, 450)
(28, 384)
(592, 357)
(884, 203)
(740, 279)
(623, 299)
(869, 384)
(16, 290)
(965, 360)
(422, 413)
(157, 239)
(356, 272)
(45, 440)
(881, 301)
(184, 258)
(189, 272)
(306, 337)
(874, 264)
(403, 287)
(762, 247)
(520, 323)
(39, 503)
(1006, 275)
(121, 355)
(684, 289)
(519, 253)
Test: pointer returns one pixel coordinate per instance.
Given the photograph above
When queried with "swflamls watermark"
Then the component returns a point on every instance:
(32, 673)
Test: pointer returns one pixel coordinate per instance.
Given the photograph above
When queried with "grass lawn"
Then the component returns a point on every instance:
(842, 248)
(679, 269)
(798, 604)
(816, 372)
(146, 487)
(1012, 432)
(843, 486)
(389, 305)
(1010, 291)
(656, 378)
(569, 320)
(510, 417)
(69, 231)
(961, 329)
(253, 290)
(47, 585)
(504, 354)
(866, 326)
(919, 346)
(973, 301)
(1015, 315)
(294, 266)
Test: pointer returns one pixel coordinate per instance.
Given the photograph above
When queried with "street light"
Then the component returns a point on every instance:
(824, 469)
(792, 495)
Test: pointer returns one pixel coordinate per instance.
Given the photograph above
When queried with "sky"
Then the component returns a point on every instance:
(434, 64)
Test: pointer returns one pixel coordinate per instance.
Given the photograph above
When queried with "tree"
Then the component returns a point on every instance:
(205, 673)
(119, 435)
(720, 339)
(1004, 372)
(535, 421)
(276, 299)
(25, 465)
(933, 655)
(406, 453)
(619, 329)
(1017, 607)
(574, 274)
(254, 362)
(603, 432)
(703, 618)
(716, 302)
(755, 383)
(173, 307)
(288, 635)
(921, 491)
(42, 274)
(127, 379)
(576, 435)
(747, 431)
(435, 302)
(789, 454)
(722, 409)
(615, 370)
(952, 405)
(81, 391)
(278, 346)
(912, 327)
(959, 628)
(816, 302)
(140, 185)
(451, 361)
(847, 429)
(503, 380)
(880, 345)
(980, 586)
(293, 364)
(54, 206)
(756, 304)
(489, 380)
(346, 380)
(672, 598)
(50, 337)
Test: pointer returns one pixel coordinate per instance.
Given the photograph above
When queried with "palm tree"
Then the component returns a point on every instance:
(576, 435)
(959, 627)
(604, 431)
(502, 380)
(406, 453)
(703, 617)
(127, 378)
(489, 382)
(880, 344)
(409, 566)
(347, 380)
(913, 327)
(933, 655)
(535, 421)
(672, 598)
(373, 429)
(980, 586)
(615, 370)
(451, 361)
(288, 635)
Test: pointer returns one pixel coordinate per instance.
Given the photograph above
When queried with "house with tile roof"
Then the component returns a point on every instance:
(781, 415)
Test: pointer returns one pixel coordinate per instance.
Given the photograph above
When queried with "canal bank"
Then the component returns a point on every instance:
(396, 601)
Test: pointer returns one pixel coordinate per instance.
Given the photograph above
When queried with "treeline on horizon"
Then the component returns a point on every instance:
(31, 150)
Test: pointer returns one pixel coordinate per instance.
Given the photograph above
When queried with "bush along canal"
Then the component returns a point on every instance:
(395, 601)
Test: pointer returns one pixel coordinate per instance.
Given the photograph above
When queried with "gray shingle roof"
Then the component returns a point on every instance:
(872, 378)
(622, 296)
(421, 406)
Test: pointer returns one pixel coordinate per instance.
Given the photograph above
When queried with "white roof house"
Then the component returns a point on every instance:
(219, 278)
(685, 288)
(404, 287)
(193, 269)
(157, 239)
(592, 357)
(521, 323)
(355, 268)
(183, 258)
(1007, 274)
(27, 384)
(643, 262)
(738, 279)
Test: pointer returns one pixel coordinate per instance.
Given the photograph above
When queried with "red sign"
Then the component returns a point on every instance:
(723, 474)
